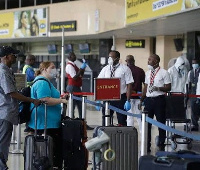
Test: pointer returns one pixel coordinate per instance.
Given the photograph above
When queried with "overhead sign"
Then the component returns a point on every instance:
(107, 89)
(68, 26)
(23, 24)
(138, 10)
(135, 44)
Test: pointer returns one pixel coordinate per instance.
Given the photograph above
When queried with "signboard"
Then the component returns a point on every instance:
(138, 10)
(20, 80)
(68, 26)
(107, 89)
(135, 44)
(21, 24)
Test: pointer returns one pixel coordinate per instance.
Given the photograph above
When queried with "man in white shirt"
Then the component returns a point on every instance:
(194, 88)
(157, 82)
(74, 75)
(117, 70)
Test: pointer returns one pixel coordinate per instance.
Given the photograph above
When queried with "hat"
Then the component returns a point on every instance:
(6, 50)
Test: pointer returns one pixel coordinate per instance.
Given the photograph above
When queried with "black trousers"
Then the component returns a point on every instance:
(119, 104)
(156, 106)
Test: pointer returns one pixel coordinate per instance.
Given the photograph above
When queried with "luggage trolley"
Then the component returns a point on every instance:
(176, 105)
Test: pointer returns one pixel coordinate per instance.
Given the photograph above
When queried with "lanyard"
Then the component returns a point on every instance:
(152, 78)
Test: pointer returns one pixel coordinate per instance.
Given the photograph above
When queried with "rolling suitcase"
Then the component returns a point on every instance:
(124, 141)
(38, 149)
(74, 136)
(167, 163)
(186, 154)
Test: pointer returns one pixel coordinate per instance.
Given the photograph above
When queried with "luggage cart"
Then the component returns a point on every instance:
(176, 105)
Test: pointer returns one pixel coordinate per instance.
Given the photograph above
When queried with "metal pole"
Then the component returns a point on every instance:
(84, 107)
(70, 110)
(62, 64)
(18, 149)
(13, 139)
(107, 113)
(114, 44)
(144, 135)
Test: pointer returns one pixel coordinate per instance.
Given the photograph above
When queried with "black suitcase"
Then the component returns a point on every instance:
(74, 136)
(167, 163)
(38, 150)
(124, 141)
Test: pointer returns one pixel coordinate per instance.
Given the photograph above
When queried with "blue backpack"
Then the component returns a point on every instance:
(24, 107)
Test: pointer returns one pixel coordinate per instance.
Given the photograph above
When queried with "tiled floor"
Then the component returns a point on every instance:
(16, 162)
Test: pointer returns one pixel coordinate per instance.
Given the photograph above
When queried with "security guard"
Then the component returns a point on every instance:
(117, 70)
(157, 82)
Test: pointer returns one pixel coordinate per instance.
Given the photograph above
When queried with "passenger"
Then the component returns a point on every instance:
(194, 88)
(115, 69)
(28, 69)
(9, 98)
(157, 82)
(30, 75)
(178, 74)
(139, 77)
(45, 91)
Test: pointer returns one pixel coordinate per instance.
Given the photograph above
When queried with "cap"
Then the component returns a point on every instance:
(6, 50)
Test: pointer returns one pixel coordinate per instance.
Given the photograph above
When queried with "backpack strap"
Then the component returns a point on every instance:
(44, 80)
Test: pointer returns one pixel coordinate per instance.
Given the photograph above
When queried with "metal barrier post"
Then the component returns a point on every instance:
(18, 149)
(107, 113)
(13, 139)
(144, 135)
(70, 106)
(84, 107)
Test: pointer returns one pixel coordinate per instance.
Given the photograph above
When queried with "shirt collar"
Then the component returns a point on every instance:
(71, 62)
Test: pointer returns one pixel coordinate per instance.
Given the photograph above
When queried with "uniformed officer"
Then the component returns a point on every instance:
(117, 70)
(157, 82)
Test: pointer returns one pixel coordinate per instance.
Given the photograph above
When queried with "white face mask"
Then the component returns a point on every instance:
(195, 66)
(53, 73)
(110, 61)
(150, 67)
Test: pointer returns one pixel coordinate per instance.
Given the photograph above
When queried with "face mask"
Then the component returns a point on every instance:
(150, 67)
(110, 61)
(53, 73)
(195, 66)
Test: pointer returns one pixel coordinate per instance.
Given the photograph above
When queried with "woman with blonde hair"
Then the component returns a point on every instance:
(45, 91)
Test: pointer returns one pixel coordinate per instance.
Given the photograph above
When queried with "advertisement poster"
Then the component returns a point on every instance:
(20, 24)
(138, 10)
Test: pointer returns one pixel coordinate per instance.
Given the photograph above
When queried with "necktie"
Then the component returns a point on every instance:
(151, 81)
(113, 71)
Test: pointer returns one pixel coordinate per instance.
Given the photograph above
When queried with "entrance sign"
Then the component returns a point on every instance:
(106, 89)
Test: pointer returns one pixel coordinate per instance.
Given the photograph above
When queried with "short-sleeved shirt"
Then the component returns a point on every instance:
(162, 77)
(8, 105)
(41, 89)
(122, 71)
(70, 69)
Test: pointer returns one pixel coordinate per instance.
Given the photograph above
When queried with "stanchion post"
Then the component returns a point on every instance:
(13, 139)
(70, 106)
(144, 134)
(107, 114)
(84, 107)
(18, 149)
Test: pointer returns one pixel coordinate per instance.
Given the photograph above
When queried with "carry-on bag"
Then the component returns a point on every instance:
(186, 154)
(74, 136)
(124, 143)
(167, 163)
(38, 149)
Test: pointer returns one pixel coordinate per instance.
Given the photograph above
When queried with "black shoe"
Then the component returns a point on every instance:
(195, 129)
(89, 128)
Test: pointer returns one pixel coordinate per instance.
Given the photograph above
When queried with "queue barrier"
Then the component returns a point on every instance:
(145, 120)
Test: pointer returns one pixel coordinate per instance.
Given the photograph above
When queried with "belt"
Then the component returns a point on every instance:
(157, 97)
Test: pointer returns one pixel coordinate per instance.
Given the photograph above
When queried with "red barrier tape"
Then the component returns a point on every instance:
(133, 94)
